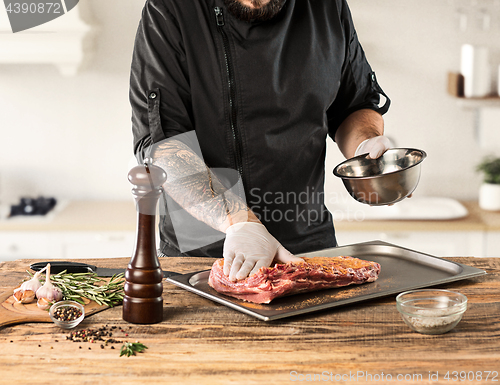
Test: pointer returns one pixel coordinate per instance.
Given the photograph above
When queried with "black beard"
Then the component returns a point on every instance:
(260, 13)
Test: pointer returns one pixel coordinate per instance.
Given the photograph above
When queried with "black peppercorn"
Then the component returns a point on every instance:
(67, 313)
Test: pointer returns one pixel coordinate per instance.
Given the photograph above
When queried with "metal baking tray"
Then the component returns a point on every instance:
(401, 269)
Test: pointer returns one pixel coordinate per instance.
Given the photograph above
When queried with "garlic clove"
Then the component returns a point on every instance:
(18, 295)
(43, 303)
(24, 296)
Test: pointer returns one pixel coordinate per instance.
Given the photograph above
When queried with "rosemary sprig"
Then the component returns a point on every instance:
(76, 286)
(131, 348)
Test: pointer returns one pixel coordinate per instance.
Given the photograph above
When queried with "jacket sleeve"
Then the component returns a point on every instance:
(159, 85)
(359, 88)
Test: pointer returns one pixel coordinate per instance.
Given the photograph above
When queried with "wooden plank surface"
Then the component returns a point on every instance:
(200, 342)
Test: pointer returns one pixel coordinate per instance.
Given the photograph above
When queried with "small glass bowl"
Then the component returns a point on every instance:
(431, 311)
(61, 306)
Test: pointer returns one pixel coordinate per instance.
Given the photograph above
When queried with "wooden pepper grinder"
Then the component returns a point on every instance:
(143, 302)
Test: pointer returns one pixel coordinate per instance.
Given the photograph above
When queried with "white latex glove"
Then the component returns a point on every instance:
(248, 247)
(375, 147)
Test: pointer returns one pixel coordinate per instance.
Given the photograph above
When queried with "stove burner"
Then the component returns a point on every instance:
(33, 206)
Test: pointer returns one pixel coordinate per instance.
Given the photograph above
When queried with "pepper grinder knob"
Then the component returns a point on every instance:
(143, 302)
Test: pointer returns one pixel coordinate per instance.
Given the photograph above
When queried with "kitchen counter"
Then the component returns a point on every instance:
(78, 229)
(79, 216)
(201, 342)
(121, 216)
(100, 229)
(476, 220)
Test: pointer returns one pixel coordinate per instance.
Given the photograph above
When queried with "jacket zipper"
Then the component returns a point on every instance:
(238, 158)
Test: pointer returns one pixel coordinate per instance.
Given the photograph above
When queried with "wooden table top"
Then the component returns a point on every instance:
(201, 342)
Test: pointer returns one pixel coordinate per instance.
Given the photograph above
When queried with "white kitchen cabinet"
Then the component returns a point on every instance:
(19, 244)
(77, 230)
(492, 244)
(96, 244)
(65, 245)
(437, 243)
(103, 244)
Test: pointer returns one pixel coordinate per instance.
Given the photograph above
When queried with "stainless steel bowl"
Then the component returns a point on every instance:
(382, 181)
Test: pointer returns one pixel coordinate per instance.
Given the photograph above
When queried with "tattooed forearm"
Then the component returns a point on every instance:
(194, 187)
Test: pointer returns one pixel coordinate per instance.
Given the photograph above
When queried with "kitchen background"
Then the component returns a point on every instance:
(70, 136)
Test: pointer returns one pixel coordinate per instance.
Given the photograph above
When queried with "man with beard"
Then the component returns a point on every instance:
(253, 86)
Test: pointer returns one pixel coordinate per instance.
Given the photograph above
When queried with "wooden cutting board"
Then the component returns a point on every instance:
(12, 312)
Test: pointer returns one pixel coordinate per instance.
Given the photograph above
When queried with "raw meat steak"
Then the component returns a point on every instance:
(294, 277)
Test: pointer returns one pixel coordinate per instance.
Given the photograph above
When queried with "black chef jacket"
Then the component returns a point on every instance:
(261, 98)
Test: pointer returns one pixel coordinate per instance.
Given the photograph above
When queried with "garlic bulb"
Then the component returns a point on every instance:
(26, 292)
(48, 293)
